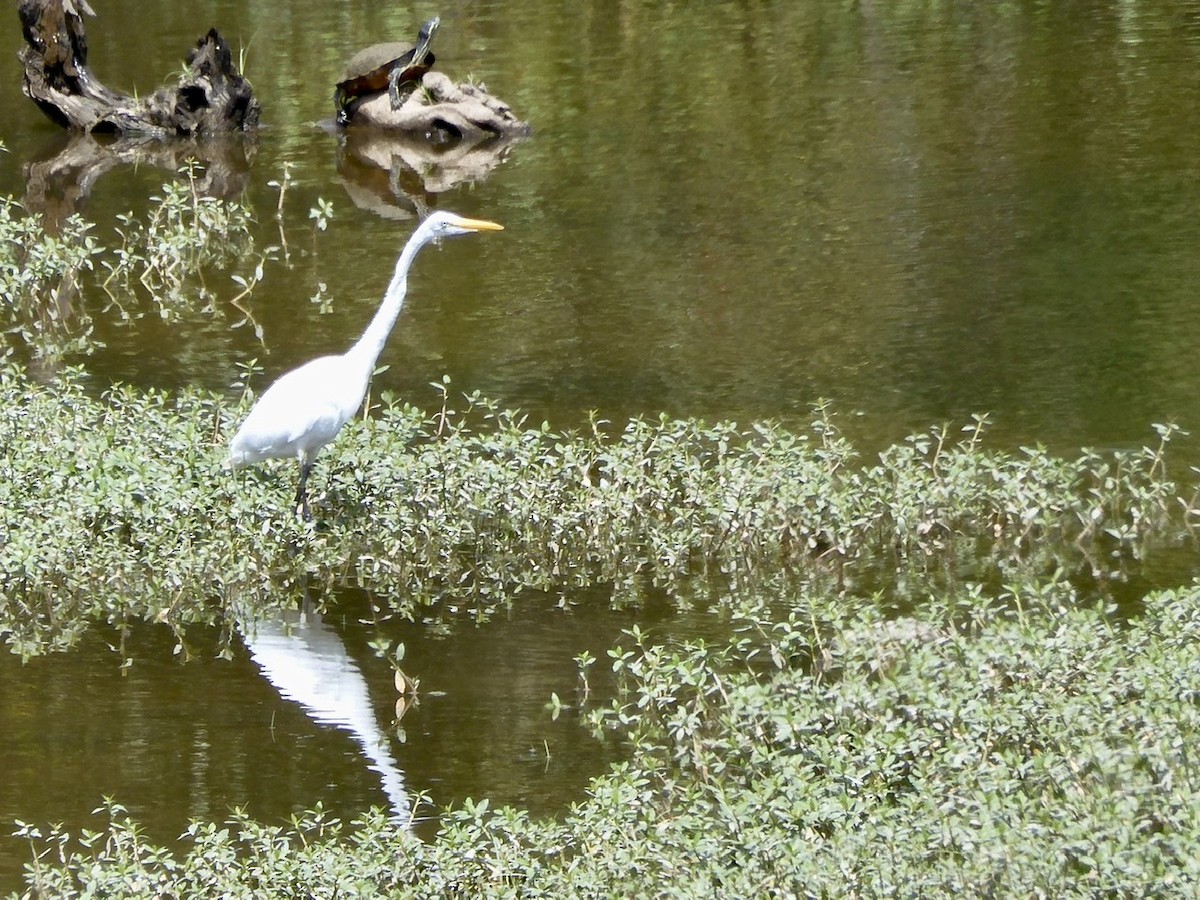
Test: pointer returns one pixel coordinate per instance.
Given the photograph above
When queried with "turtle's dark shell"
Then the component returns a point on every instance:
(369, 69)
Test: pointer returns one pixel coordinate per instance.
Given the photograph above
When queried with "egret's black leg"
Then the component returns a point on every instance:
(301, 501)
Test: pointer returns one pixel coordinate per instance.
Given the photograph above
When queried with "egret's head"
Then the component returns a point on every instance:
(447, 224)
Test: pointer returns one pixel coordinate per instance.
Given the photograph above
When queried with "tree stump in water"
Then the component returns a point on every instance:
(212, 97)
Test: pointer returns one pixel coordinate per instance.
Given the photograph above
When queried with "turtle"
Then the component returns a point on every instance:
(380, 66)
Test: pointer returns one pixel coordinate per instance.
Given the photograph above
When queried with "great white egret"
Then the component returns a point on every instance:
(306, 408)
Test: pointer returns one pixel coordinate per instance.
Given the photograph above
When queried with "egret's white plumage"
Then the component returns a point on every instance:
(305, 408)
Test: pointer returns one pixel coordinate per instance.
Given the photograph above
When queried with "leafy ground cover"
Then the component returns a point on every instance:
(118, 507)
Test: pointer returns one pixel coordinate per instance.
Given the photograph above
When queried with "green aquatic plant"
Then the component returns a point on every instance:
(41, 273)
(47, 276)
(184, 233)
(117, 507)
(321, 213)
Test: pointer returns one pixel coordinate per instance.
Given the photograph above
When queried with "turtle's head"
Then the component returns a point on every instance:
(428, 30)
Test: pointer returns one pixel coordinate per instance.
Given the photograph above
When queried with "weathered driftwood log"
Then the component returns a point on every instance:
(212, 97)
(441, 111)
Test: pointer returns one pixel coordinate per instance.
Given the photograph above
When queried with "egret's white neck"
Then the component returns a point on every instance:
(368, 347)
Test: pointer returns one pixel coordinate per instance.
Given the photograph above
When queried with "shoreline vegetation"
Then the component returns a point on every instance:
(996, 725)
(120, 507)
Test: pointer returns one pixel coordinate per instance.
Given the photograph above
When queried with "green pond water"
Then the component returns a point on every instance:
(725, 210)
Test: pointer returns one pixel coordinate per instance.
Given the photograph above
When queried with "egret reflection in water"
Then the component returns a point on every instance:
(306, 661)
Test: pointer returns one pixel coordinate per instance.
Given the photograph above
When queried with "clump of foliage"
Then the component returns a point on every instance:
(1028, 748)
(184, 233)
(118, 507)
(40, 277)
(46, 273)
